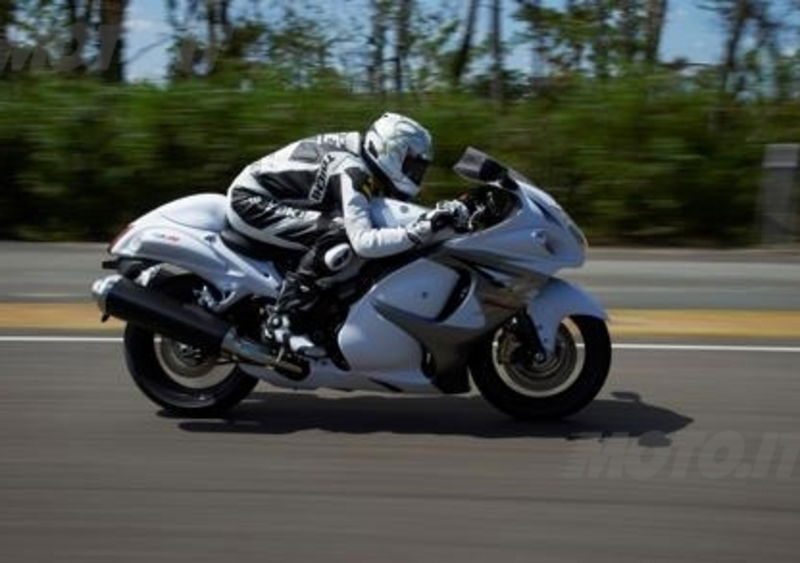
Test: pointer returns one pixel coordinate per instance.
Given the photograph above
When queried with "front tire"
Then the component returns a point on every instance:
(515, 381)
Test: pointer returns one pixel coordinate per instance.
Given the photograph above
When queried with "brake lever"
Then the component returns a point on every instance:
(480, 211)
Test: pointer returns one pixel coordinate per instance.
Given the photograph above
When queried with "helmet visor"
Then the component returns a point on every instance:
(414, 168)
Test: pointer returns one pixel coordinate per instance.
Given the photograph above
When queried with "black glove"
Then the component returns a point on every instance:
(452, 213)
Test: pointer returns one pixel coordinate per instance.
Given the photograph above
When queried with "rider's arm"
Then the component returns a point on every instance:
(367, 240)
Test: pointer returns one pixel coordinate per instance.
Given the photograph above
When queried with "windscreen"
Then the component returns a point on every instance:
(478, 166)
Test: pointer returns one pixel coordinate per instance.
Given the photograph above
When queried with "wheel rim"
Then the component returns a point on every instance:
(189, 366)
(518, 367)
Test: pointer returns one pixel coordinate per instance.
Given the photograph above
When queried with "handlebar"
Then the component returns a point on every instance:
(488, 205)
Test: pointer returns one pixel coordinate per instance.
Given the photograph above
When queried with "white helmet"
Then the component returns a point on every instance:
(398, 150)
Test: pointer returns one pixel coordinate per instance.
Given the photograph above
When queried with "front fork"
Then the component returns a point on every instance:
(521, 325)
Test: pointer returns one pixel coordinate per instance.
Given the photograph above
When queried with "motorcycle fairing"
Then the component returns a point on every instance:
(413, 330)
(186, 233)
(448, 342)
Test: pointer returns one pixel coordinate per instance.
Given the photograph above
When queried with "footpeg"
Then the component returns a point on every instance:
(300, 345)
(305, 347)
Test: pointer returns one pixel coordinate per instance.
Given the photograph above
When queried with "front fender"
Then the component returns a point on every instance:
(555, 301)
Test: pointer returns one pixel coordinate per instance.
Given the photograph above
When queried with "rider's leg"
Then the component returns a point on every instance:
(264, 219)
(329, 255)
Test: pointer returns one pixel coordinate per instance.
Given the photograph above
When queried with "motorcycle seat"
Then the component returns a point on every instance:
(255, 249)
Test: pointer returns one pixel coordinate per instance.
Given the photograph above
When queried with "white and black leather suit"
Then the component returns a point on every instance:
(308, 196)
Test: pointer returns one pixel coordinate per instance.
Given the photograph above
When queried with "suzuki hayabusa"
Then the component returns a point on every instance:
(481, 308)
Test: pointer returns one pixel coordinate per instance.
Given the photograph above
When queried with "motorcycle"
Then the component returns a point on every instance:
(483, 307)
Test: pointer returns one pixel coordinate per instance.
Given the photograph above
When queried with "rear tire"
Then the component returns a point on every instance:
(151, 377)
(184, 380)
(522, 394)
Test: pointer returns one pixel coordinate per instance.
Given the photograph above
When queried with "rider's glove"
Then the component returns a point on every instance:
(420, 232)
(457, 211)
(453, 214)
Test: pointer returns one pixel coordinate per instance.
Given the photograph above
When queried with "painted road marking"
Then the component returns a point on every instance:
(63, 339)
(626, 324)
(616, 346)
(708, 348)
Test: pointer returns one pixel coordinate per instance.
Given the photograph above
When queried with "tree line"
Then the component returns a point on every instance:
(404, 45)
(578, 94)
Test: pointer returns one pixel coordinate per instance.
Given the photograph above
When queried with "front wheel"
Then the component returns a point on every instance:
(521, 382)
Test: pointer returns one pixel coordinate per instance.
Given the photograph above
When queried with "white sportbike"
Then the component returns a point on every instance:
(483, 306)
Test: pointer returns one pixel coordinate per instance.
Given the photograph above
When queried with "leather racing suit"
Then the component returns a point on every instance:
(310, 196)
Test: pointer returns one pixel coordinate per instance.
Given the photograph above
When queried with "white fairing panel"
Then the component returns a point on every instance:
(381, 355)
(185, 233)
(557, 300)
(370, 342)
(535, 239)
(201, 211)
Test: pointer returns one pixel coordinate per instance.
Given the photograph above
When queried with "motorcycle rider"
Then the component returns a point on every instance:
(313, 196)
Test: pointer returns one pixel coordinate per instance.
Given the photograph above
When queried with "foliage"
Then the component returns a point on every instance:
(641, 159)
(639, 150)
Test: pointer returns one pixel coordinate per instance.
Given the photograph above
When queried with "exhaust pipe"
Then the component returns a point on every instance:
(121, 298)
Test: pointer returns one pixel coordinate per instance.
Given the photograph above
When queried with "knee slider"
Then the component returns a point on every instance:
(338, 257)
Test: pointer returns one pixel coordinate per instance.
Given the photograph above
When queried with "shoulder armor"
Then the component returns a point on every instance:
(361, 178)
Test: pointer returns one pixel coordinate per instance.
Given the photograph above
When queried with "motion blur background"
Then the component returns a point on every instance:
(648, 119)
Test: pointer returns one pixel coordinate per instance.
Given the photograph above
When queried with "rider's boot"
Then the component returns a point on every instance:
(298, 295)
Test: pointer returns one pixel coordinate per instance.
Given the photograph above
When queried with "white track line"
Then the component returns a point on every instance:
(708, 348)
(617, 346)
(60, 339)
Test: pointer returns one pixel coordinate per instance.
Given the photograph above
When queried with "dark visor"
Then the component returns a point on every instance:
(414, 167)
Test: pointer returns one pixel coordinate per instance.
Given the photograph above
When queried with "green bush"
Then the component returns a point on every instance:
(639, 160)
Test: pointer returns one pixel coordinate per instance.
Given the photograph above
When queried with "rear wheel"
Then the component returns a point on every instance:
(520, 381)
(183, 379)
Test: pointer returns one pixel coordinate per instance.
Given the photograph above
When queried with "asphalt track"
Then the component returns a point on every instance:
(701, 465)
(690, 453)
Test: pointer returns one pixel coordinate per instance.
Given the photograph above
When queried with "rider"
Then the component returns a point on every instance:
(313, 196)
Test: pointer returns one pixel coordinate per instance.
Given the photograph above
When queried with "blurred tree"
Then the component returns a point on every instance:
(79, 15)
(628, 32)
(379, 14)
(736, 15)
(189, 56)
(403, 14)
(602, 37)
(430, 54)
(497, 50)
(462, 56)
(203, 36)
(112, 39)
(6, 19)
(299, 46)
(217, 22)
(753, 60)
(655, 20)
